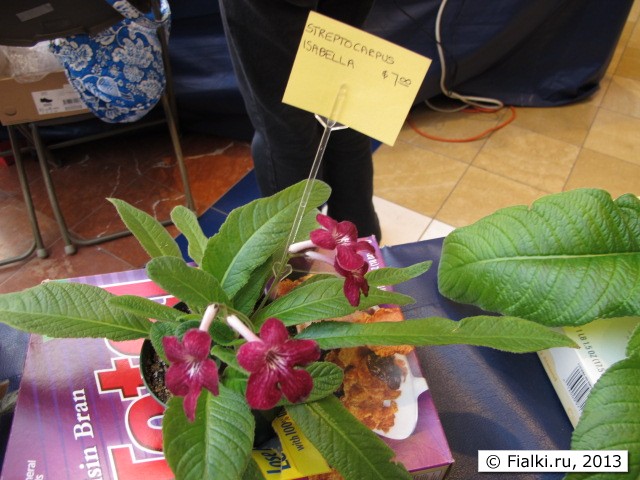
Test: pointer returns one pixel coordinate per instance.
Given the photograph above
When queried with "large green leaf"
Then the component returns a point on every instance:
(193, 286)
(611, 418)
(187, 222)
(248, 296)
(253, 233)
(323, 299)
(70, 310)
(144, 307)
(153, 237)
(347, 445)
(217, 444)
(569, 259)
(510, 334)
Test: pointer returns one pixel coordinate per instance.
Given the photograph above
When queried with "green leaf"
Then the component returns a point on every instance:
(569, 259)
(193, 286)
(144, 307)
(633, 347)
(247, 297)
(253, 233)
(159, 330)
(187, 222)
(222, 334)
(510, 334)
(70, 310)
(610, 419)
(228, 357)
(216, 445)
(327, 378)
(392, 276)
(347, 445)
(153, 237)
(323, 299)
(253, 471)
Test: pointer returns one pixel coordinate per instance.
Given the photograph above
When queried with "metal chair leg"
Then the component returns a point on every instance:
(43, 153)
(171, 111)
(37, 244)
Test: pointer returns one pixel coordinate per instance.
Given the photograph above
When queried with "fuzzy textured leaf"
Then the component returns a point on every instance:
(217, 444)
(393, 276)
(158, 331)
(144, 307)
(510, 334)
(633, 346)
(193, 286)
(153, 237)
(187, 222)
(323, 299)
(568, 259)
(610, 419)
(327, 378)
(347, 445)
(70, 310)
(253, 233)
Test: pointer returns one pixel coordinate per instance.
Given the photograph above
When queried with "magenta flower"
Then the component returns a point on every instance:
(191, 368)
(271, 361)
(354, 282)
(343, 238)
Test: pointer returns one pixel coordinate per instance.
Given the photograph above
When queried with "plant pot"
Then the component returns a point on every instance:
(153, 369)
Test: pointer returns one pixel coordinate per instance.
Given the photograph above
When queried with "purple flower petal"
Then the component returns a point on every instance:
(262, 390)
(191, 368)
(271, 362)
(273, 332)
(297, 385)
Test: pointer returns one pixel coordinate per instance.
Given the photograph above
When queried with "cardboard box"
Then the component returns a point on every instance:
(45, 99)
(83, 411)
(573, 372)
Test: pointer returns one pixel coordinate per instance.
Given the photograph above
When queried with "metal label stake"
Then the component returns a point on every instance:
(281, 268)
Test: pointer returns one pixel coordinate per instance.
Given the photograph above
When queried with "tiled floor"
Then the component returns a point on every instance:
(423, 187)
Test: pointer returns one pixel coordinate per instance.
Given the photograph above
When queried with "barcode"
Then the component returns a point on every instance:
(68, 101)
(579, 387)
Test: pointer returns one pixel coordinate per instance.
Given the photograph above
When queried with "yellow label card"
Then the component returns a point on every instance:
(355, 78)
(299, 457)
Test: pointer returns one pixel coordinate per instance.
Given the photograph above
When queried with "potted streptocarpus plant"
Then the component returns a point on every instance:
(244, 345)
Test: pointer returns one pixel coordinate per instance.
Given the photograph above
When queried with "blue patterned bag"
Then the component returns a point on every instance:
(118, 72)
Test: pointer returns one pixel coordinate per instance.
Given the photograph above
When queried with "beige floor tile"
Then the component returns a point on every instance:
(633, 39)
(635, 11)
(480, 193)
(415, 178)
(437, 229)
(450, 126)
(597, 170)
(624, 41)
(568, 123)
(623, 96)
(629, 65)
(399, 225)
(616, 135)
(528, 157)
(603, 87)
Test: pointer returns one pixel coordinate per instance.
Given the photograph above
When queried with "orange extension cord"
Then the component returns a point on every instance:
(481, 135)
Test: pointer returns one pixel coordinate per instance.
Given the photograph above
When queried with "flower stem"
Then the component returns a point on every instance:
(209, 314)
(320, 257)
(237, 324)
(299, 246)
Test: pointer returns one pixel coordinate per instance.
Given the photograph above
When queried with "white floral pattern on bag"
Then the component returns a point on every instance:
(119, 72)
